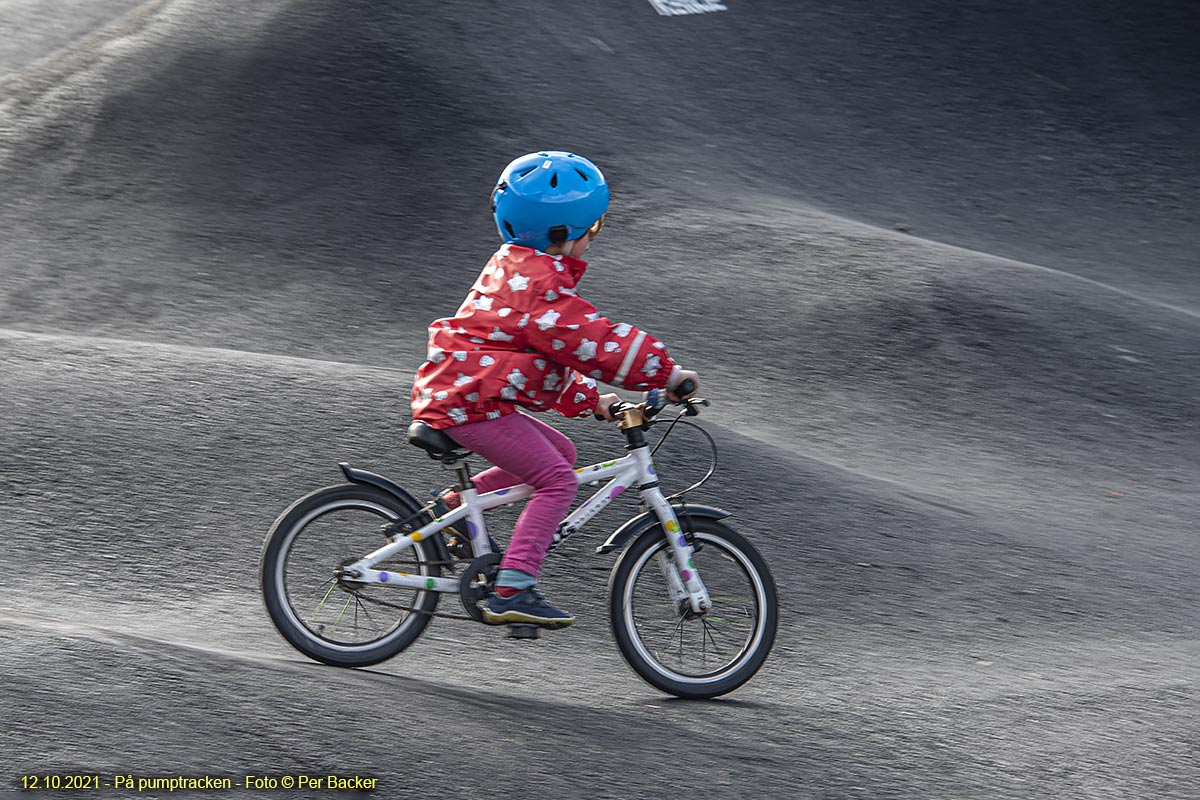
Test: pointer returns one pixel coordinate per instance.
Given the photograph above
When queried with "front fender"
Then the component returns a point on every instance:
(643, 522)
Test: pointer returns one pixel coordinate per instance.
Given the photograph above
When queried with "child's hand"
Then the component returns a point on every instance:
(603, 403)
(680, 377)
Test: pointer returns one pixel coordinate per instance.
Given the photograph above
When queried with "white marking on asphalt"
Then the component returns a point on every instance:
(671, 8)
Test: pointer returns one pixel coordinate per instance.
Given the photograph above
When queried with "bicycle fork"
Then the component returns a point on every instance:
(683, 579)
(677, 563)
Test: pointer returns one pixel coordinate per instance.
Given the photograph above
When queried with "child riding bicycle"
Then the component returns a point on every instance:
(524, 340)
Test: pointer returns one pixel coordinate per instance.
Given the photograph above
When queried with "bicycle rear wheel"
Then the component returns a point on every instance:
(676, 650)
(331, 620)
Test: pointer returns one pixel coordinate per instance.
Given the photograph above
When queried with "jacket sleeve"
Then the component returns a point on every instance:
(579, 398)
(571, 331)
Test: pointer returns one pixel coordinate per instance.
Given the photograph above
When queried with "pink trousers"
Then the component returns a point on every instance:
(525, 450)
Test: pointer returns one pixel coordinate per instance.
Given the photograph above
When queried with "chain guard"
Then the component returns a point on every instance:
(476, 583)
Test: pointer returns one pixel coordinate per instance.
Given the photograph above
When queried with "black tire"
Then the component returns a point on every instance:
(374, 507)
(730, 559)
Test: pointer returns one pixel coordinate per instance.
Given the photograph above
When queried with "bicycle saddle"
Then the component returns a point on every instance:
(434, 442)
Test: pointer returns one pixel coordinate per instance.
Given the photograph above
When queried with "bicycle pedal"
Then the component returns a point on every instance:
(524, 631)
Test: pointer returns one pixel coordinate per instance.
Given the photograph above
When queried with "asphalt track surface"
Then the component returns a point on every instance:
(969, 448)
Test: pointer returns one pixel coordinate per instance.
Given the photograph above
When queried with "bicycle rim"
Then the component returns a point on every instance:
(334, 614)
(692, 649)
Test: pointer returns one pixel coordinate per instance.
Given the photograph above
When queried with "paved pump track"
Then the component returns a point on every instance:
(935, 263)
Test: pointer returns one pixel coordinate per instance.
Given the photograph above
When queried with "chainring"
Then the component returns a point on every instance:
(476, 583)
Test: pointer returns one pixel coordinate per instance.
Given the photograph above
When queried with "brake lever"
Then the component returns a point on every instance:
(692, 402)
(613, 410)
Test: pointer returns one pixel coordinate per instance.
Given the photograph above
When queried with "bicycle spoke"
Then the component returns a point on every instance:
(668, 637)
(708, 629)
(314, 567)
(697, 645)
(317, 610)
(732, 617)
(721, 629)
(731, 602)
(359, 603)
(368, 598)
(338, 621)
(726, 621)
(338, 536)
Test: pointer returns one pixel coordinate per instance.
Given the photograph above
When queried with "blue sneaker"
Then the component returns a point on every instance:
(526, 606)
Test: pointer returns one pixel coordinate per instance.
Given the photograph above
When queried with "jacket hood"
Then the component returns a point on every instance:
(573, 268)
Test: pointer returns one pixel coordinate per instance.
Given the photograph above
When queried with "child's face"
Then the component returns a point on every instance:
(579, 246)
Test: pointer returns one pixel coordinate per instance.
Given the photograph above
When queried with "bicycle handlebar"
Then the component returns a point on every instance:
(656, 400)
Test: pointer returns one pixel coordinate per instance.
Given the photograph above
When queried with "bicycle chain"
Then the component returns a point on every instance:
(410, 609)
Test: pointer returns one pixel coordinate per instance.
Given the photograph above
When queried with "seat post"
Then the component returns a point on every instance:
(463, 469)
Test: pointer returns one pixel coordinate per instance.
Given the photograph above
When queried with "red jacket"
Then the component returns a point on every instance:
(523, 337)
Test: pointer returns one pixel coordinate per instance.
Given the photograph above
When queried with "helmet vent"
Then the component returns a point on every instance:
(582, 174)
(554, 181)
(526, 172)
(508, 227)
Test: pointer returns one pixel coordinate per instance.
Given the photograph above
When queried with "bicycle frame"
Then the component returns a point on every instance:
(633, 470)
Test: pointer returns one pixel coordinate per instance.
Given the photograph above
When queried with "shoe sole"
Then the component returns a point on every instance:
(520, 618)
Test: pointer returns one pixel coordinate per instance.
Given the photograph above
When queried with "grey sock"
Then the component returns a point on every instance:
(515, 579)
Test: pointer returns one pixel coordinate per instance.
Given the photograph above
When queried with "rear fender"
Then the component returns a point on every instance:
(407, 500)
(643, 522)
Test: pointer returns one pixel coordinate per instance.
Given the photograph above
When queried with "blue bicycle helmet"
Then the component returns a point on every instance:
(548, 197)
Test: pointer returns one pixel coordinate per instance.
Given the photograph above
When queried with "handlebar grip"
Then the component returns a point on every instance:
(684, 387)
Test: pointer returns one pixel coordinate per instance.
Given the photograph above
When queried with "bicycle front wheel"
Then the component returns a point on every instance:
(328, 619)
(676, 650)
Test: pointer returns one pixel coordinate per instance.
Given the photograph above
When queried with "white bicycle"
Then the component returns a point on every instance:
(692, 603)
